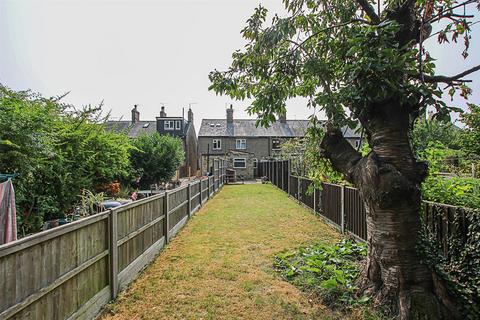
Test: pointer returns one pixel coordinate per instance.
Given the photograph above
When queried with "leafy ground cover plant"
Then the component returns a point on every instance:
(327, 271)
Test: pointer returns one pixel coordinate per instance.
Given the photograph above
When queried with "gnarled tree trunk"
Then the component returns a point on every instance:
(389, 180)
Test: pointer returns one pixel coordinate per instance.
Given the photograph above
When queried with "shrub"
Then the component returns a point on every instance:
(156, 157)
(58, 151)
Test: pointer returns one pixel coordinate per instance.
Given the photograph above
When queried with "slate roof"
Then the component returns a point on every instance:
(247, 128)
(132, 130)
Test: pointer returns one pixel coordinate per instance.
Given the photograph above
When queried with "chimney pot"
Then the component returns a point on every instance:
(135, 114)
(163, 114)
(190, 115)
(230, 114)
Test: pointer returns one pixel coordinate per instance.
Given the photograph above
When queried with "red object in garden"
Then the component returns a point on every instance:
(134, 196)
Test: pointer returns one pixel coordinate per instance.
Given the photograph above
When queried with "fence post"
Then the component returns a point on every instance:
(283, 183)
(342, 208)
(314, 197)
(201, 191)
(298, 189)
(189, 197)
(288, 176)
(113, 253)
(167, 217)
(208, 187)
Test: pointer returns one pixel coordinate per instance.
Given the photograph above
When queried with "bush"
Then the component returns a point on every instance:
(454, 191)
(58, 151)
(156, 157)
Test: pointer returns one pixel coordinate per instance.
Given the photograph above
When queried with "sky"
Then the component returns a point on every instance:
(143, 52)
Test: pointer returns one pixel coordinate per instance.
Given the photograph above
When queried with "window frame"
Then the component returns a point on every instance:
(178, 125)
(219, 141)
(238, 144)
(241, 159)
(278, 142)
(255, 163)
(170, 126)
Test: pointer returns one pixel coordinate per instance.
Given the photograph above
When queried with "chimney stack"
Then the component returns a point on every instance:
(230, 114)
(190, 115)
(163, 114)
(135, 115)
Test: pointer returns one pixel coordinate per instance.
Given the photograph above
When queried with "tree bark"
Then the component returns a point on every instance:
(389, 180)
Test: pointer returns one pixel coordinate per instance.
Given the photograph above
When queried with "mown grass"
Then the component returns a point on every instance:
(220, 265)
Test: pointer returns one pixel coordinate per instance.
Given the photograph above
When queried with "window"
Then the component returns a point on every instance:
(275, 144)
(169, 125)
(255, 163)
(357, 143)
(178, 125)
(217, 144)
(239, 163)
(241, 144)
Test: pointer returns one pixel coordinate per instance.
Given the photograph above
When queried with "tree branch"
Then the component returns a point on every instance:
(369, 10)
(436, 17)
(446, 79)
(339, 151)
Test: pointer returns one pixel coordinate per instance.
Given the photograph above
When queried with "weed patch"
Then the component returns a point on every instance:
(327, 271)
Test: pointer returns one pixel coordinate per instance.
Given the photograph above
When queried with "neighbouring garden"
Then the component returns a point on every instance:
(68, 163)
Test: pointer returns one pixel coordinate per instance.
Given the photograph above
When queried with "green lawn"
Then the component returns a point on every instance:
(220, 265)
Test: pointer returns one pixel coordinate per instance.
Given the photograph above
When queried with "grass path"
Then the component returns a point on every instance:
(220, 265)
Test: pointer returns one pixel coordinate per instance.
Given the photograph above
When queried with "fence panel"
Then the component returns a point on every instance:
(446, 222)
(294, 186)
(204, 184)
(305, 197)
(355, 213)
(212, 185)
(285, 176)
(139, 225)
(195, 193)
(331, 202)
(54, 273)
(177, 209)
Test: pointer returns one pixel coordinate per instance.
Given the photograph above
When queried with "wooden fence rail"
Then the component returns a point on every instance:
(72, 271)
(343, 207)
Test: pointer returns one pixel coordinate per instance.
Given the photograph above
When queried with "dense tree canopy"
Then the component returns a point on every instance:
(58, 151)
(155, 158)
(369, 67)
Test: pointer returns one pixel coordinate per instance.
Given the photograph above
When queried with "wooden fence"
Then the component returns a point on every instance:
(343, 207)
(72, 271)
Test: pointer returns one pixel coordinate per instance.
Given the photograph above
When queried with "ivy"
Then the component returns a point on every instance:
(460, 268)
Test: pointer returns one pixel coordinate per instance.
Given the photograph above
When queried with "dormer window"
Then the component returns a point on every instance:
(169, 125)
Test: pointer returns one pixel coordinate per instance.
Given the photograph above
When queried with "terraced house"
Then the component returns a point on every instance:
(243, 144)
(176, 126)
